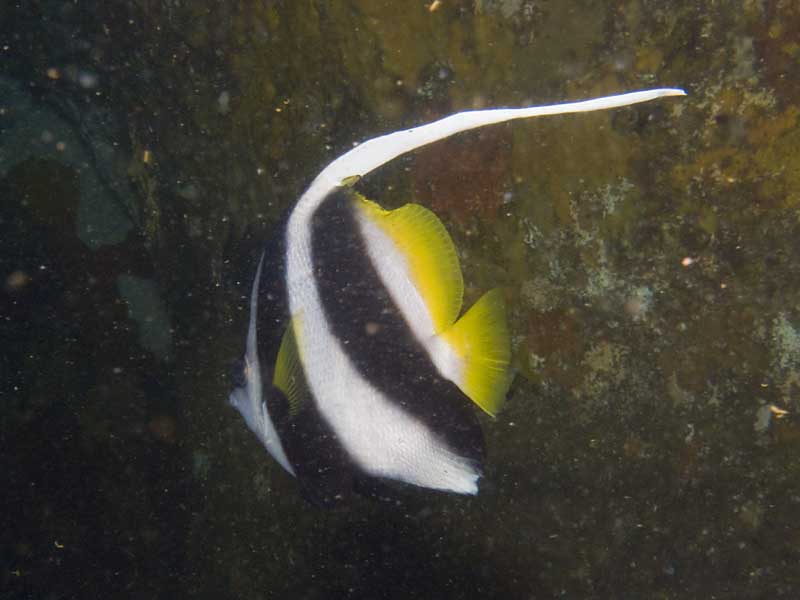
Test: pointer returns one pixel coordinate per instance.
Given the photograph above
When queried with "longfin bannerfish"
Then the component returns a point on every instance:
(377, 367)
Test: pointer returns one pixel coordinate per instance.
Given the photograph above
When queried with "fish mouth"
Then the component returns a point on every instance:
(238, 398)
(238, 375)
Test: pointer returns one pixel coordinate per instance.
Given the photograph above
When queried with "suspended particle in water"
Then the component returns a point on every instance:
(16, 281)
(87, 80)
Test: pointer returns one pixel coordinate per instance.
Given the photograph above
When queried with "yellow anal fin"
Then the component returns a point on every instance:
(288, 376)
(431, 256)
(481, 340)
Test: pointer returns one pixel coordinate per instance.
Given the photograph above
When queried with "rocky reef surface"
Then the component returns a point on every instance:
(651, 443)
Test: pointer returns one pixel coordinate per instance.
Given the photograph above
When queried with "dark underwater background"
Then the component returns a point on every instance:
(648, 256)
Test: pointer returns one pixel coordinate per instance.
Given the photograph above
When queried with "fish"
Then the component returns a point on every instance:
(359, 367)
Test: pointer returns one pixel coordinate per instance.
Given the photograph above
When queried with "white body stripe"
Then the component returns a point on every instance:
(393, 270)
(380, 437)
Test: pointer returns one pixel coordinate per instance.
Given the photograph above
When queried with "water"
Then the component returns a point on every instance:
(146, 149)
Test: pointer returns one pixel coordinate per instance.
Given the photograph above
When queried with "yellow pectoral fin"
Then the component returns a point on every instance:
(481, 340)
(288, 376)
(430, 254)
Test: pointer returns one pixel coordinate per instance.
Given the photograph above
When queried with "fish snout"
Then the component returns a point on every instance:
(237, 373)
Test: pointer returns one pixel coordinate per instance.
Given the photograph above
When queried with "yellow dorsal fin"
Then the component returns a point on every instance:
(480, 339)
(288, 376)
(431, 255)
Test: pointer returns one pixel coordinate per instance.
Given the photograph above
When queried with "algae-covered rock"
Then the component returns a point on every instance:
(650, 446)
(31, 129)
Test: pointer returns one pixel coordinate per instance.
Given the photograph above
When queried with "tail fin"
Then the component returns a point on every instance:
(481, 340)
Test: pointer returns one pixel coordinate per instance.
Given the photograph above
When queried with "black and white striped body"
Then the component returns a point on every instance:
(395, 414)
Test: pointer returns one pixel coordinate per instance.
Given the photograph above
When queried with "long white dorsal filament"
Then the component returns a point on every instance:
(375, 152)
